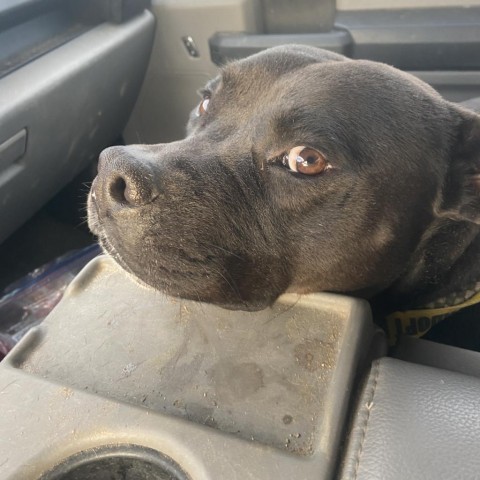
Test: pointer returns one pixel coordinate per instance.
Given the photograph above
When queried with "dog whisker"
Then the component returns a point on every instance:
(225, 250)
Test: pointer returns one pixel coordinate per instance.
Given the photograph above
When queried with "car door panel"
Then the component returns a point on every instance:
(58, 110)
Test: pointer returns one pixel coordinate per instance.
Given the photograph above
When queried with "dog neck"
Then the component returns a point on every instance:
(441, 278)
(445, 265)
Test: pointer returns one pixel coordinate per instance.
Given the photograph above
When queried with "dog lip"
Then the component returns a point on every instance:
(93, 216)
(245, 306)
(173, 275)
(112, 251)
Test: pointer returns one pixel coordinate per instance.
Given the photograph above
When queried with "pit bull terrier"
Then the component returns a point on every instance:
(302, 171)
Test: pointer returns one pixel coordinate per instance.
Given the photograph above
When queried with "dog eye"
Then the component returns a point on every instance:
(306, 160)
(202, 108)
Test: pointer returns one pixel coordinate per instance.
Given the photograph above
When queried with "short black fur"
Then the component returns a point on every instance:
(217, 217)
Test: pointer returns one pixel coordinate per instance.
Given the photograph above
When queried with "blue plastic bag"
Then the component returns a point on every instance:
(26, 302)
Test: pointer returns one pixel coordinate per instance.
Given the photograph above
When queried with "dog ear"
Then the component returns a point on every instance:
(461, 191)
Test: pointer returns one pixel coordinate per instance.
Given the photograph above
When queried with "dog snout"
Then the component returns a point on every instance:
(124, 179)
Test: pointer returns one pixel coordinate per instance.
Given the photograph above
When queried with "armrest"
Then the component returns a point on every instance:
(259, 395)
(413, 422)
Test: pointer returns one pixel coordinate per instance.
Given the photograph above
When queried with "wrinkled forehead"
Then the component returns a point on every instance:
(291, 98)
(262, 70)
(347, 90)
(317, 70)
(276, 91)
(286, 58)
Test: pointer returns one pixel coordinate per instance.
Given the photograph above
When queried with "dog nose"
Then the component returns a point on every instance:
(124, 178)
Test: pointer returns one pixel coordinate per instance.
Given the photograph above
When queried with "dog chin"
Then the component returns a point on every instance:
(213, 298)
(174, 287)
(246, 307)
(192, 292)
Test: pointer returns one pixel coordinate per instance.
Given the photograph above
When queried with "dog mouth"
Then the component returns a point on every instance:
(168, 279)
(186, 283)
(109, 249)
(191, 284)
(159, 254)
(96, 227)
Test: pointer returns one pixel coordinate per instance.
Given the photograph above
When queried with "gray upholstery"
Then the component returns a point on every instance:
(433, 354)
(415, 422)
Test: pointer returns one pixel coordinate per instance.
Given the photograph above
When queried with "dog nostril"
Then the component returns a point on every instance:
(130, 191)
(117, 190)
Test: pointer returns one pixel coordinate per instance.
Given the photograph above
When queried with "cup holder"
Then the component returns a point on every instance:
(117, 462)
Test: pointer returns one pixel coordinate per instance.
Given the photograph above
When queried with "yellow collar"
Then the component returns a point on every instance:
(418, 322)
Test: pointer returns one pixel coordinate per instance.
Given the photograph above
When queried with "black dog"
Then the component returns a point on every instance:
(302, 171)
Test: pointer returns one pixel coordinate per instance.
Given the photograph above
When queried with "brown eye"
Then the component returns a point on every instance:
(202, 108)
(307, 160)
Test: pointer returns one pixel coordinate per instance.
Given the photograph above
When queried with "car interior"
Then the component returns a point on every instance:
(121, 382)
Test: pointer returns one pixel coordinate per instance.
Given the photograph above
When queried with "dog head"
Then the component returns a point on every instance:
(301, 171)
